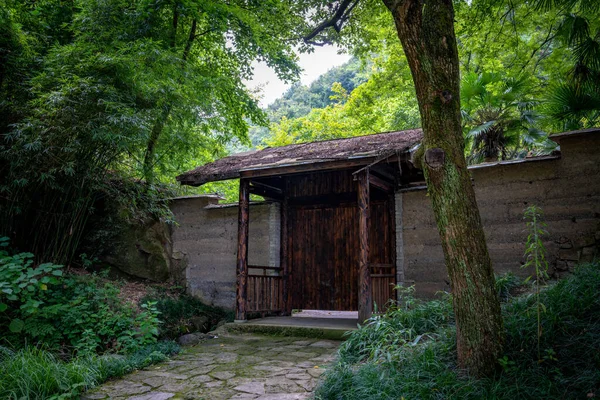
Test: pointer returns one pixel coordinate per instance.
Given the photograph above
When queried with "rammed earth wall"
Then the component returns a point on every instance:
(205, 245)
(566, 187)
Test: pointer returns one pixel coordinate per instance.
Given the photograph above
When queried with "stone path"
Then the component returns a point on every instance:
(230, 367)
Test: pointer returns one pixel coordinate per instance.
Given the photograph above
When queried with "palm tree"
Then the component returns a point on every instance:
(575, 102)
(499, 121)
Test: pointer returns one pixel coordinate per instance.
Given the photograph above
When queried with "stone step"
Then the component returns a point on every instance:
(323, 328)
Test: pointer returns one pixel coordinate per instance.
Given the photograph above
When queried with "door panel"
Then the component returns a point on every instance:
(324, 256)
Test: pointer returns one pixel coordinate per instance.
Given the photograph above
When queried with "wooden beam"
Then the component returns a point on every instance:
(307, 167)
(386, 171)
(266, 186)
(242, 254)
(365, 295)
(265, 192)
(284, 256)
(381, 184)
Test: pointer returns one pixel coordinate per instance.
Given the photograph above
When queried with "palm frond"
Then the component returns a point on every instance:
(471, 87)
(528, 116)
(466, 117)
(573, 29)
(567, 103)
(589, 6)
(534, 136)
(481, 130)
(588, 53)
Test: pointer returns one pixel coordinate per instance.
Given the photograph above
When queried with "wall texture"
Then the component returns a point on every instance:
(567, 188)
(205, 245)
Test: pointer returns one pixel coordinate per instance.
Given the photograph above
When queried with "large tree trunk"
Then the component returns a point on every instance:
(426, 31)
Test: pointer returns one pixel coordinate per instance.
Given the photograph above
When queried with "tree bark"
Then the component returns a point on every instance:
(426, 31)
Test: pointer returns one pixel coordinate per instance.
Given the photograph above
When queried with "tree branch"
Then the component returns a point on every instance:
(336, 22)
(188, 45)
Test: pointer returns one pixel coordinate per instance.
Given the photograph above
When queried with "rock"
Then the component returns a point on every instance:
(142, 250)
(561, 265)
(191, 339)
(223, 375)
(307, 385)
(125, 389)
(252, 387)
(284, 396)
(584, 241)
(588, 254)
(245, 396)
(94, 396)
(569, 254)
(200, 323)
(281, 384)
(153, 396)
(298, 376)
(315, 372)
(325, 344)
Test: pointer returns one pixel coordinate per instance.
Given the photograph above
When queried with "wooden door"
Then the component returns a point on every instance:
(324, 255)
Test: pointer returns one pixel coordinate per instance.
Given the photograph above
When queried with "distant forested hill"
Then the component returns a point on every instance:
(300, 99)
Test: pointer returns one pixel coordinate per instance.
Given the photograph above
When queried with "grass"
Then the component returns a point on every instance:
(410, 353)
(33, 373)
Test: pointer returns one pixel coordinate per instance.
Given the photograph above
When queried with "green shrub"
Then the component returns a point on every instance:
(40, 305)
(569, 369)
(177, 314)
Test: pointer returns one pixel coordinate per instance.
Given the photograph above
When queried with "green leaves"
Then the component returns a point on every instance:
(16, 325)
(80, 312)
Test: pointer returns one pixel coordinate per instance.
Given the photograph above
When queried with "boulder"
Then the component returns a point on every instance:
(192, 339)
(200, 323)
(143, 251)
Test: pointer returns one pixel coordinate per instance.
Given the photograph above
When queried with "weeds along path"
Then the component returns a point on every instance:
(230, 367)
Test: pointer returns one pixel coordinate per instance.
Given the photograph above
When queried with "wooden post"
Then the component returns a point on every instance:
(365, 295)
(284, 259)
(242, 253)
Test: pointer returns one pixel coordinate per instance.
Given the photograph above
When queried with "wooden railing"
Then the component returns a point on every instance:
(383, 279)
(264, 290)
(265, 287)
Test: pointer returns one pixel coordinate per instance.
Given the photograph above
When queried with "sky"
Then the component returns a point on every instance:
(314, 65)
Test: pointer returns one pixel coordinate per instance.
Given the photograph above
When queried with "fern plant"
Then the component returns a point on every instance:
(535, 253)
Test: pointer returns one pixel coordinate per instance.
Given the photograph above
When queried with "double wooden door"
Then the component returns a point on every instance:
(324, 252)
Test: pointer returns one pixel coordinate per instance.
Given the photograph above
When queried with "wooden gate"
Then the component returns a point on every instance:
(324, 256)
(264, 289)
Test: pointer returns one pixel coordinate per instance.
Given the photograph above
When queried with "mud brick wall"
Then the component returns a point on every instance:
(566, 187)
(205, 245)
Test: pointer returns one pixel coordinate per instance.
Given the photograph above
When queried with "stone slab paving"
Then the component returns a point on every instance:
(241, 366)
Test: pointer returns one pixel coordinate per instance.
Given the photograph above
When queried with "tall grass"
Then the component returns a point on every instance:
(32, 373)
(378, 363)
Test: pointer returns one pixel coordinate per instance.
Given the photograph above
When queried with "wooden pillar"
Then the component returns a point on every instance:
(365, 295)
(284, 260)
(242, 253)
